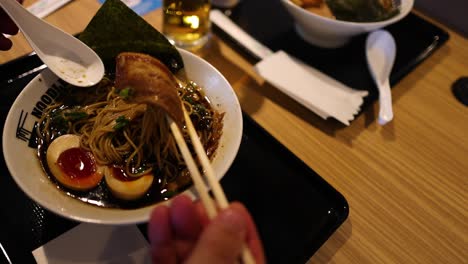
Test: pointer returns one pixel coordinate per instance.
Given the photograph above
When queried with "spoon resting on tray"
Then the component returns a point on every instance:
(66, 56)
(380, 54)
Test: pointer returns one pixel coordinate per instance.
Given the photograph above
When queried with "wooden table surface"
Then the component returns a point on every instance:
(406, 182)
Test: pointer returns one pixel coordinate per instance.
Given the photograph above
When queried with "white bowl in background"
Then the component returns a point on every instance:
(24, 166)
(330, 33)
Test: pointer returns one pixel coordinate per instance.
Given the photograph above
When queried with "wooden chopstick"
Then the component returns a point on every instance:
(193, 169)
(220, 196)
(216, 188)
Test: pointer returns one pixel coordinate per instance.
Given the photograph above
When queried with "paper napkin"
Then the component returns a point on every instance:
(96, 244)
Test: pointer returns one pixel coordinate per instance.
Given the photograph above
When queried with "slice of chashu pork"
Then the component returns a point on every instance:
(151, 82)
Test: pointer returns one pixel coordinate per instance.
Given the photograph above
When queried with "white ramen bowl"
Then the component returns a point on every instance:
(24, 166)
(330, 33)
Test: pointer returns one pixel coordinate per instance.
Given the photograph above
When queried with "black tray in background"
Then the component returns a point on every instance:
(295, 209)
(270, 23)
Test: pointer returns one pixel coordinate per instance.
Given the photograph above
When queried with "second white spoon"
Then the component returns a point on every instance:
(380, 53)
(66, 56)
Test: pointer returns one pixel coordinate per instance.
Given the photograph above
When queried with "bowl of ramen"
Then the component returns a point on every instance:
(332, 23)
(97, 155)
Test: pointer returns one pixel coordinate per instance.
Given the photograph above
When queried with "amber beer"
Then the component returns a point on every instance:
(186, 23)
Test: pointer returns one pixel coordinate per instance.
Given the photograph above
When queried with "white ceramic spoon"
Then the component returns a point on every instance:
(380, 53)
(66, 56)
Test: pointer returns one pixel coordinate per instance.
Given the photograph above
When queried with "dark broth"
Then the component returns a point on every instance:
(101, 195)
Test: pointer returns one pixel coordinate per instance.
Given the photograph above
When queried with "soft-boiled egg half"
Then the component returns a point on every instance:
(126, 187)
(72, 166)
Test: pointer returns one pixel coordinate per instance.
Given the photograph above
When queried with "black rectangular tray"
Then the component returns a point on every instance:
(295, 209)
(269, 22)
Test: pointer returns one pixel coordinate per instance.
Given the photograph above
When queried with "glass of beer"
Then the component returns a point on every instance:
(186, 23)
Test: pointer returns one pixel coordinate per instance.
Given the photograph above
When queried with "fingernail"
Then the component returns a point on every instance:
(233, 221)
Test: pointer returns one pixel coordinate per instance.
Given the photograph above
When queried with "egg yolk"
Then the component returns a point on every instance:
(77, 163)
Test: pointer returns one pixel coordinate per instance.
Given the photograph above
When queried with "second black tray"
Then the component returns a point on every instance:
(270, 23)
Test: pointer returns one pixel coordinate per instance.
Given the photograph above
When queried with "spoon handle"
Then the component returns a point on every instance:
(385, 101)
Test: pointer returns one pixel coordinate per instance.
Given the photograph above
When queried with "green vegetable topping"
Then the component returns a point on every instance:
(121, 122)
(362, 10)
(75, 116)
(126, 93)
(58, 121)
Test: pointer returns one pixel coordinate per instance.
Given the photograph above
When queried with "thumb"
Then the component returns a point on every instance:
(222, 239)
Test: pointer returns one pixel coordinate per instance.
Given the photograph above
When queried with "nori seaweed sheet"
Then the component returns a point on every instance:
(116, 28)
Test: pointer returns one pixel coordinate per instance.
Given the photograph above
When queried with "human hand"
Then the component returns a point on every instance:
(182, 233)
(7, 26)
